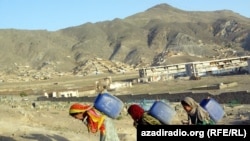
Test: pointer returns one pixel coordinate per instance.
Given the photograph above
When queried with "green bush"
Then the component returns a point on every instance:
(23, 94)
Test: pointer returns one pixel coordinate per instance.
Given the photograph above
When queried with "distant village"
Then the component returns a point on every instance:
(190, 70)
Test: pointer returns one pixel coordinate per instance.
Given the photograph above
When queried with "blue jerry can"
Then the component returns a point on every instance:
(108, 104)
(213, 108)
(162, 111)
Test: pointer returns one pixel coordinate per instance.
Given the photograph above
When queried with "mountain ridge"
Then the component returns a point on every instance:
(148, 38)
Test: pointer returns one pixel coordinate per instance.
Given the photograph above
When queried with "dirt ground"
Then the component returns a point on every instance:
(49, 121)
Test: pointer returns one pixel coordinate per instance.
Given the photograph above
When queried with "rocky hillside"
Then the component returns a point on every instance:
(160, 35)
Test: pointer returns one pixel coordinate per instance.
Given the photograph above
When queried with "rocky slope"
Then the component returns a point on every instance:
(151, 37)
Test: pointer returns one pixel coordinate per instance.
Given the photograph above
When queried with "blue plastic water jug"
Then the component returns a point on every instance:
(213, 108)
(108, 104)
(162, 111)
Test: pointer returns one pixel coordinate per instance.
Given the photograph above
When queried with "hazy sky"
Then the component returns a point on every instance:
(57, 14)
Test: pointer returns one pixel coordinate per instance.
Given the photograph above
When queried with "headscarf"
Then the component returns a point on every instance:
(196, 109)
(78, 108)
(95, 120)
(135, 111)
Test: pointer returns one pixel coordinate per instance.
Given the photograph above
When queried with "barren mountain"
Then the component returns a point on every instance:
(160, 35)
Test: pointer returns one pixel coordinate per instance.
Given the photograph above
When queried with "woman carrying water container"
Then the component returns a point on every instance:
(95, 121)
(196, 114)
(141, 117)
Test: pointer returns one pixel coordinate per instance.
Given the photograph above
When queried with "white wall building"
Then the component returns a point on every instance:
(70, 93)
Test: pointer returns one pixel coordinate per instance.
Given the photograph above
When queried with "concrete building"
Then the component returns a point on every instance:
(217, 67)
(195, 69)
(163, 72)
